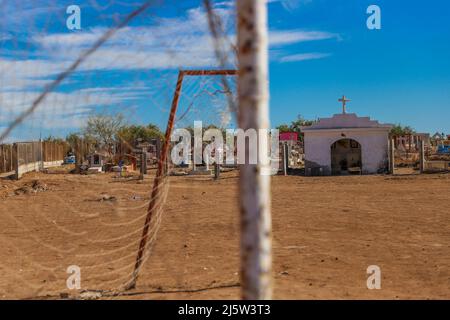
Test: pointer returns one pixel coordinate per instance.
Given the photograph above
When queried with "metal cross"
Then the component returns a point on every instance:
(344, 100)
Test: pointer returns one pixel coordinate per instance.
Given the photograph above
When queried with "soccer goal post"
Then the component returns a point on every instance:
(161, 171)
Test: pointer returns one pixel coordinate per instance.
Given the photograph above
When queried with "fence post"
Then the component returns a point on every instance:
(41, 154)
(422, 156)
(216, 170)
(15, 160)
(2, 152)
(11, 159)
(391, 156)
(33, 156)
(77, 152)
(143, 168)
(285, 158)
(254, 179)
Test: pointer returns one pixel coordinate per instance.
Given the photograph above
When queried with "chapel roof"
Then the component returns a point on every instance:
(345, 121)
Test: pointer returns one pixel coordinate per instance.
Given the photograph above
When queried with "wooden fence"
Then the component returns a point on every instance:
(22, 157)
(53, 151)
(6, 158)
(437, 166)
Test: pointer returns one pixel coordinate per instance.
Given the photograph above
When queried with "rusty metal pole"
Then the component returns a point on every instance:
(162, 164)
(254, 180)
(156, 192)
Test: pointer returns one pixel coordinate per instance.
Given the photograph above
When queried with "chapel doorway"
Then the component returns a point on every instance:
(346, 157)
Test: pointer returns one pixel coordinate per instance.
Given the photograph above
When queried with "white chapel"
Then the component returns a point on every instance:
(346, 144)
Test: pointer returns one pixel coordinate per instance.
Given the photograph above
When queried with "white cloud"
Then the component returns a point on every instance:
(5, 36)
(304, 56)
(63, 110)
(27, 74)
(168, 43)
(291, 5)
(286, 37)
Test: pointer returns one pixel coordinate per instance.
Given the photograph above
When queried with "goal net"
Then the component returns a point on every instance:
(86, 96)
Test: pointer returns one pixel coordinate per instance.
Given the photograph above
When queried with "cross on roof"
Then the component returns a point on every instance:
(344, 100)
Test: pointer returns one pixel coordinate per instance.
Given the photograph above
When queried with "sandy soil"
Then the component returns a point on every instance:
(326, 232)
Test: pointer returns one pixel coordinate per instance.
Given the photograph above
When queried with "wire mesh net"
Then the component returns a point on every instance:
(97, 96)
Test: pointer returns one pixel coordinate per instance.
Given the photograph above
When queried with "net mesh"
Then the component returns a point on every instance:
(58, 89)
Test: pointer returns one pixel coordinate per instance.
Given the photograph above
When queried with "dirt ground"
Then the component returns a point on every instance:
(326, 232)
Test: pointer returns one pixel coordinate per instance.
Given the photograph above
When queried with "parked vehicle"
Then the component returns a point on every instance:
(69, 159)
(445, 149)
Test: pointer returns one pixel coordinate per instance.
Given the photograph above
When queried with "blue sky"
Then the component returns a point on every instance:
(400, 73)
(319, 50)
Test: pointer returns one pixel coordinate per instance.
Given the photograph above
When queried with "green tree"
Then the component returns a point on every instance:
(51, 138)
(284, 128)
(132, 133)
(296, 125)
(399, 130)
(73, 140)
(301, 122)
(408, 130)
